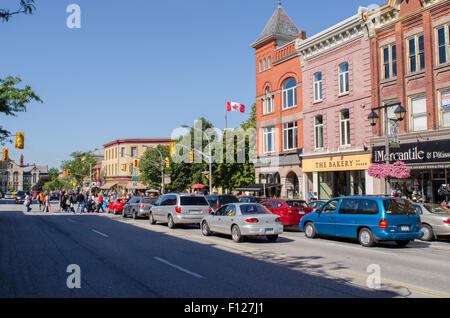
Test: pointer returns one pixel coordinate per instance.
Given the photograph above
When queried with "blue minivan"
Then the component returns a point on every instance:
(368, 219)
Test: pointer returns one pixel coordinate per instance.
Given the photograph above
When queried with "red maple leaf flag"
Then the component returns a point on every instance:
(235, 107)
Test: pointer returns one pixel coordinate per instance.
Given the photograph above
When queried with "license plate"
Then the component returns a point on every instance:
(268, 231)
(196, 212)
(405, 228)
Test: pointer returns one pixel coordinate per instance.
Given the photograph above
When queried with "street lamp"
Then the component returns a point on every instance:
(209, 156)
(399, 112)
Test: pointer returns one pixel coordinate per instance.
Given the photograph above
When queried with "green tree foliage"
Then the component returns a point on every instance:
(80, 166)
(150, 166)
(14, 100)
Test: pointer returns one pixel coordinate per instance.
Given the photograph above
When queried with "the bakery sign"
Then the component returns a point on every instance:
(423, 152)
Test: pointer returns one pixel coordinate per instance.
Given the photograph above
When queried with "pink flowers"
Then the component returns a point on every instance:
(397, 170)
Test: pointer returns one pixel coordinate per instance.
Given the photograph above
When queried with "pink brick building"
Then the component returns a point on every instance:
(336, 103)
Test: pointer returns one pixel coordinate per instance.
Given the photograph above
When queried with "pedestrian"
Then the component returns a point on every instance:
(41, 201)
(47, 202)
(100, 203)
(81, 204)
(27, 203)
(73, 201)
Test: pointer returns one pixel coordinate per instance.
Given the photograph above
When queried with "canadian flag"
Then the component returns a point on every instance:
(235, 107)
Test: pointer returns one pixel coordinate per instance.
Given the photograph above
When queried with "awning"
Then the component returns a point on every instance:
(108, 185)
(258, 187)
(135, 186)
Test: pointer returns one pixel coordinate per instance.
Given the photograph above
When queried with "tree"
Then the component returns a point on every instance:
(79, 166)
(13, 99)
(25, 7)
(150, 166)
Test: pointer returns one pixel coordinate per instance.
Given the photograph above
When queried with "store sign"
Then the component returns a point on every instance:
(424, 152)
(337, 163)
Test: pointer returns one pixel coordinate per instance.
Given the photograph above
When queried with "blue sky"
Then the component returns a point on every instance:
(138, 68)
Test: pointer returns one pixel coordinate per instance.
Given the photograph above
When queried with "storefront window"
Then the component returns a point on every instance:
(325, 185)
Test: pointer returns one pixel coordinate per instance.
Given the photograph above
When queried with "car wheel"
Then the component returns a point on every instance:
(366, 238)
(135, 215)
(428, 233)
(124, 215)
(170, 222)
(151, 219)
(402, 243)
(310, 230)
(272, 238)
(236, 234)
(114, 211)
(205, 229)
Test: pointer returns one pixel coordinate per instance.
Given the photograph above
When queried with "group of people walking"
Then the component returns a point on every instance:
(43, 199)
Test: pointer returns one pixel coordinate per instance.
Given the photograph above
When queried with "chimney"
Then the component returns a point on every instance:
(302, 35)
(21, 161)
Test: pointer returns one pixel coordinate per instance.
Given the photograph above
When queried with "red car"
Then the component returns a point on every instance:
(117, 206)
(290, 211)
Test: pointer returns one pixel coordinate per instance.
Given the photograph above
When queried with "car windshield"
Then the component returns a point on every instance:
(225, 199)
(297, 204)
(193, 201)
(148, 200)
(399, 207)
(253, 209)
(436, 208)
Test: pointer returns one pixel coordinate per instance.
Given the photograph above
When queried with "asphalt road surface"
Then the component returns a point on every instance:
(118, 257)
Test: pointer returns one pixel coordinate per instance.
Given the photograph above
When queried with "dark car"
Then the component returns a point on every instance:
(138, 207)
(54, 196)
(316, 204)
(250, 199)
(20, 197)
(216, 201)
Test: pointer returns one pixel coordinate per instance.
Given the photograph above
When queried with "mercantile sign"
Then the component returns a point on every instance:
(422, 152)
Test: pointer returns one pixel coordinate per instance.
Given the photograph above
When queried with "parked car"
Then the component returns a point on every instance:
(250, 199)
(20, 197)
(9, 196)
(54, 196)
(138, 207)
(435, 220)
(117, 206)
(290, 211)
(368, 219)
(216, 201)
(179, 208)
(243, 219)
(316, 204)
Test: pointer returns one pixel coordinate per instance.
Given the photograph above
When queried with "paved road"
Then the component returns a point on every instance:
(131, 258)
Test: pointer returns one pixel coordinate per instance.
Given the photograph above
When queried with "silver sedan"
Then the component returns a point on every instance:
(435, 220)
(243, 219)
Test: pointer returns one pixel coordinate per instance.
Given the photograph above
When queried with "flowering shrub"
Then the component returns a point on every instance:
(397, 170)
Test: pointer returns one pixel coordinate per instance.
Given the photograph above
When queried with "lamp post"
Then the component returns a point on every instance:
(209, 154)
(399, 112)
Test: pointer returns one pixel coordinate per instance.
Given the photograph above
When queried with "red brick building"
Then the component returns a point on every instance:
(279, 106)
(410, 59)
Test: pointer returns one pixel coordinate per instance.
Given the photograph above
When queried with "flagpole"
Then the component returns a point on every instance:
(226, 114)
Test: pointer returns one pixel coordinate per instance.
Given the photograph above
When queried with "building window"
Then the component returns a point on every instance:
(445, 108)
(290, 135)
(260, 66)
(389, 62)
(269, 139)
(122, 152)
(443, 44)
(344, 86)
(268, 106)
(318, 132)
(269, 62)
(345, 127)
(419, 113)
(290, 93)
(133, 152)
(416, 55)
(318, 96)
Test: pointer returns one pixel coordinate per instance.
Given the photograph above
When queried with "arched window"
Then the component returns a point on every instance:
(289, 93)
(268, 106)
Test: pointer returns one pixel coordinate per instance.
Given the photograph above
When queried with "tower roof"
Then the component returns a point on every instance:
(279, 27)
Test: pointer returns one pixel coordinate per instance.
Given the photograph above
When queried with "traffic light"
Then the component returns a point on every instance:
(191, 156)
(20, 140)
(135, 163)
(124, 168)
(68, 172)
(5, 155)
(207, 176)
(167, 162)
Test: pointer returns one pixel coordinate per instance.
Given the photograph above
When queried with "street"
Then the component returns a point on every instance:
(129, 258)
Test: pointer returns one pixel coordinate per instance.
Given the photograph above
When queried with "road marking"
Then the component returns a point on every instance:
(179, 268)
(100, 233)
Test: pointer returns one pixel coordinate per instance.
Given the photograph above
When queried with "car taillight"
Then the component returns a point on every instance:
(252, 220)
(289, 210)
(217, 207)
(383, 224)
(178, 209)
(277, 220)
(447, 221)
(210, 210)
(141, 205)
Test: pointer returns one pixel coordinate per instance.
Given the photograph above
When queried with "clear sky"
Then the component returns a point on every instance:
(138, 68)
